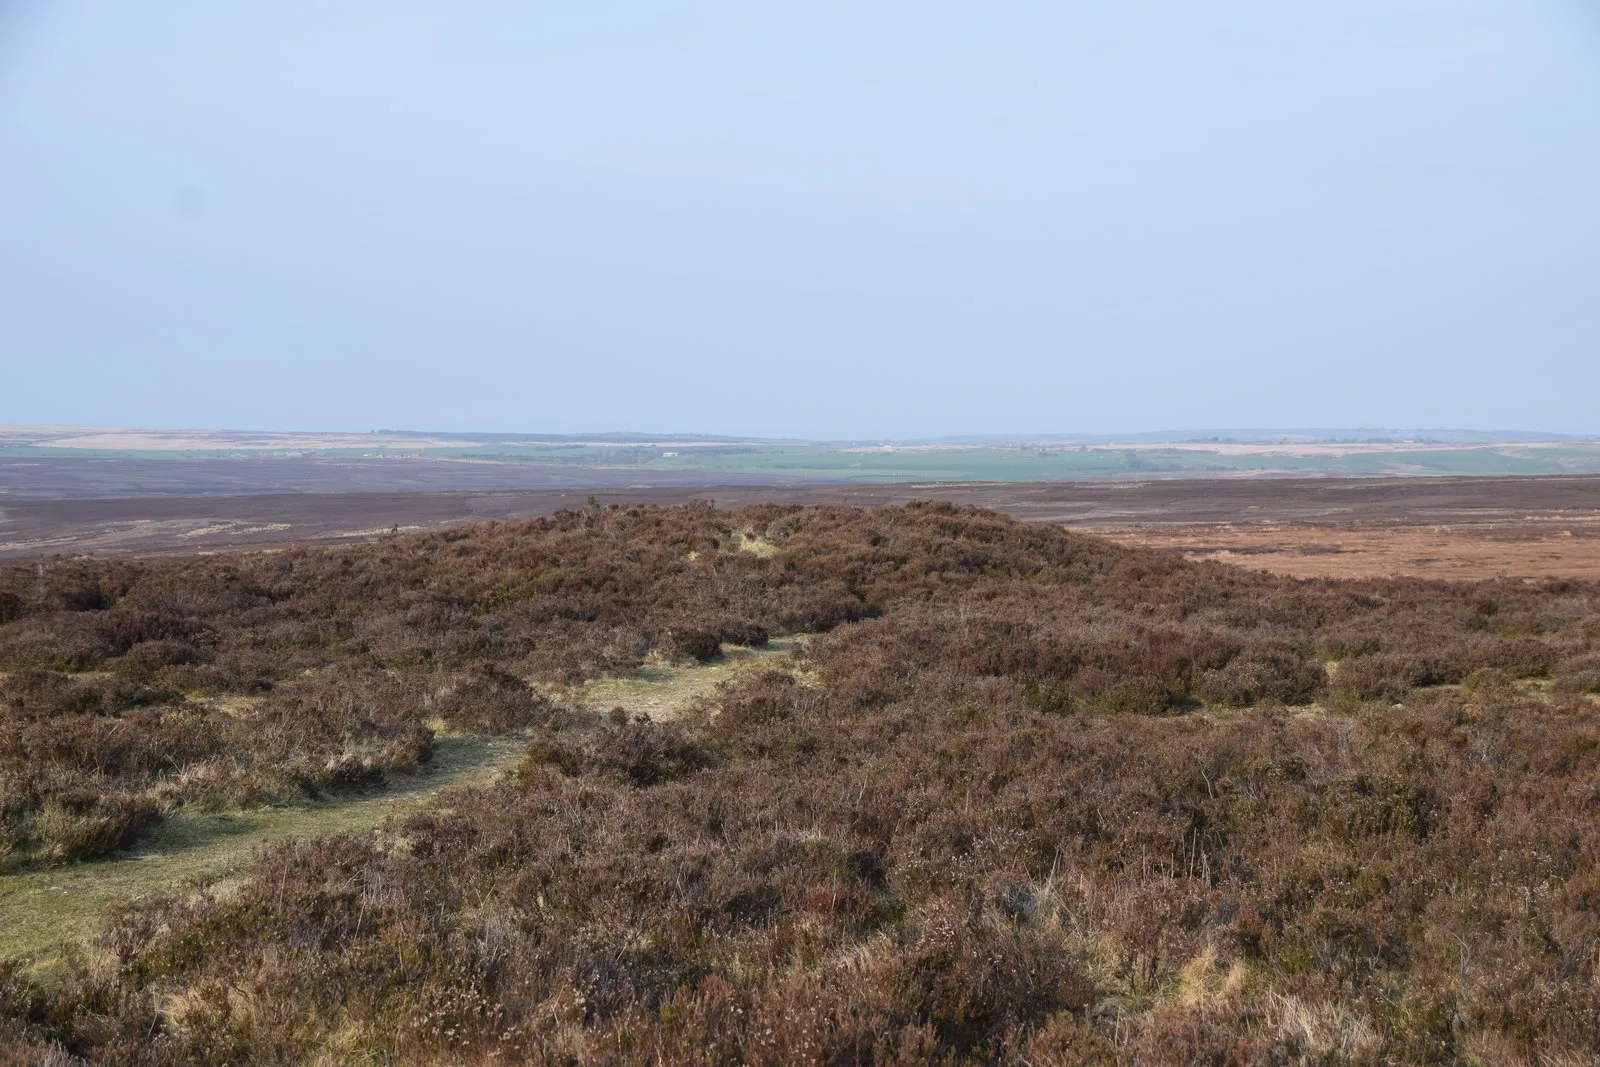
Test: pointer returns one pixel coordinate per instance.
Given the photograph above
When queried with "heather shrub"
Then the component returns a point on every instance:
(1140, 695)
(1581, 674)
(699, 646)
(1391, 676)
(40, 694)
(641, 752)
(1268, 675)
(488, 698)
(1520, 657)
(1024, 797)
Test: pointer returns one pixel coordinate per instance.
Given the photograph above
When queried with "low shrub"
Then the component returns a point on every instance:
(693, 645)
(1391, 676)
(1581, 674)
(976, 823)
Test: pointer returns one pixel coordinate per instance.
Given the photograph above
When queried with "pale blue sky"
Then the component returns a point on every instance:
(823, 219)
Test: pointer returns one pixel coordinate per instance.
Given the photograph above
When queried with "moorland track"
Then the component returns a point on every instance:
(46, 912)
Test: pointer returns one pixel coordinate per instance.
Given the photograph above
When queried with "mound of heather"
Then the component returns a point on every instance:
(1027, 797)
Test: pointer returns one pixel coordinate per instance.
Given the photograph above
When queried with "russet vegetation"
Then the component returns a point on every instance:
(1026, 797)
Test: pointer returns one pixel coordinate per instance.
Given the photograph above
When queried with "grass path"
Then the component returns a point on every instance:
(44, 912)
(663, 692)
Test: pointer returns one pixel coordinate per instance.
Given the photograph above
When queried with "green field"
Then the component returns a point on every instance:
(792, 462)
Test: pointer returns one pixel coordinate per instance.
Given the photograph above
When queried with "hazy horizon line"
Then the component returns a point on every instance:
(1296, 434)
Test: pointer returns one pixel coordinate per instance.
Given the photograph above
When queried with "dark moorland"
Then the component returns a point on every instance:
(1026, 796)
(1562, 512)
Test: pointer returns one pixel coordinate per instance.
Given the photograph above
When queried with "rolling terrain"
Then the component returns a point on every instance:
(1440, 527)
(1003, 792)
(58, 462)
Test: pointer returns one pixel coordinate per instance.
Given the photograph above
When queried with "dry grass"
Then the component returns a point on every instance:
(749, 541)
(1531, 546)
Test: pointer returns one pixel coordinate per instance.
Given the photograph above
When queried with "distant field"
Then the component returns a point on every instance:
(1458, 528)
(1321, 503)
(63, 462)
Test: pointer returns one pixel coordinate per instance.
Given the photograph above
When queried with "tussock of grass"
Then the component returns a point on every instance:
(749, 541)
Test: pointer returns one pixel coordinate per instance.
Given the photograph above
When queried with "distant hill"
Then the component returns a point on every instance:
(54, 462)
(1276, 436)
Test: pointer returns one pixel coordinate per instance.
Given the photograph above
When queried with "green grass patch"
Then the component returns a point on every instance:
(44, 912)
(664, 690)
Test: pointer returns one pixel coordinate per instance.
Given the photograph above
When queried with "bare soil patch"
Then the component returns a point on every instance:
(1531, 548)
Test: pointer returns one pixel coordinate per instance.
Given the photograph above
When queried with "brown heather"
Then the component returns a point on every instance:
(1031, 799)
